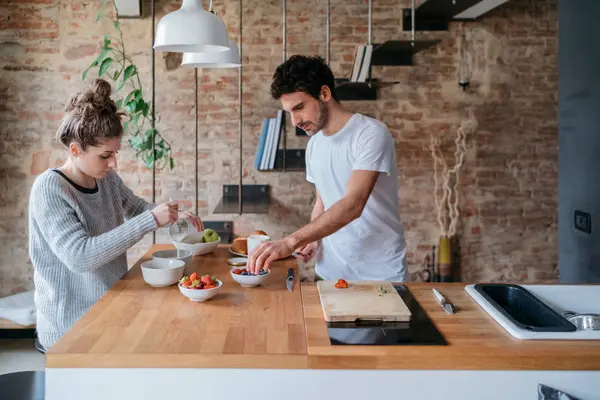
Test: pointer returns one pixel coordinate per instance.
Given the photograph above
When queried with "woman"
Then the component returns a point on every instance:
(78, 235)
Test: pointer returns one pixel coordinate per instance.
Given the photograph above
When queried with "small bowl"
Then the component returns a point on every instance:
(184, 255)
(248, 280)
(192, 244)
(162, 272)
(200, 294)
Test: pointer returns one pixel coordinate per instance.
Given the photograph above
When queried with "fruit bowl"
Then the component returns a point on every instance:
(197, 243)
(195, 288)
(248, 280)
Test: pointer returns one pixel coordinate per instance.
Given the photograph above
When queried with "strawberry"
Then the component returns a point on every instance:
(210, 286)
(193, 276)
(206, 279)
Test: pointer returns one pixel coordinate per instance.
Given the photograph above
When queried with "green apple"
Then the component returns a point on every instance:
(210, 235)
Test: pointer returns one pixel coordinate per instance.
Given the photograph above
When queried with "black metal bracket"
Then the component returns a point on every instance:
(423, 22)
(347, 90)
(294, 160)
(255, 199)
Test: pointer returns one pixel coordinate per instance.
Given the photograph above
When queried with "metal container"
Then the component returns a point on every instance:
(583, 321)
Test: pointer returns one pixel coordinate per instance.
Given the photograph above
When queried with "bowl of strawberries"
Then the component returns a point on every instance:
(199, 288)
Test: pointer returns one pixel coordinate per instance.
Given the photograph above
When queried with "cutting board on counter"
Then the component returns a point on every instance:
(365, 300)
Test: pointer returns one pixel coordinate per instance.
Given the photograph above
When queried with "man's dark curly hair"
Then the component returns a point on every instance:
(302, 74)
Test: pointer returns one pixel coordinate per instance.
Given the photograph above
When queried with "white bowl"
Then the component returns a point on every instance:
(192, 243)
(255, 240)
(162, 272)
(200, 294)
(184, 255)
(248, 280)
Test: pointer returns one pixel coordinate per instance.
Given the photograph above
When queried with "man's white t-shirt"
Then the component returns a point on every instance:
(372, 247)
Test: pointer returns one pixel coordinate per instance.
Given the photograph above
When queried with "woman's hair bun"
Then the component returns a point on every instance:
(92, 101)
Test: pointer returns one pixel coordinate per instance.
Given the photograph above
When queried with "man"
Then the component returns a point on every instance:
(355, 230)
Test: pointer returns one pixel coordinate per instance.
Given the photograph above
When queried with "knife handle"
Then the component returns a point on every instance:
(290, 274)
(439, 296)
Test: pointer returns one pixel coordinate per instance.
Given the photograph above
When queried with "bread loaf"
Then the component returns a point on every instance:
(240, 245)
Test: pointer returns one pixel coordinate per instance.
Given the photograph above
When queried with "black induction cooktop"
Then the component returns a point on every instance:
(419, 331)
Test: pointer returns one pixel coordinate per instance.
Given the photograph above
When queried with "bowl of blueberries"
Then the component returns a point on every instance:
(246, 279)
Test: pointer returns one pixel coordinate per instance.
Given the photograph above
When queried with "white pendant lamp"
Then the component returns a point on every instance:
(222, 59)
(191, 29)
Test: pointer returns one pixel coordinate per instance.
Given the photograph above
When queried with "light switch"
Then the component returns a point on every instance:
(583, 221)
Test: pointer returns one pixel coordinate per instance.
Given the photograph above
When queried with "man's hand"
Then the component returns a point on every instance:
(307, 252)
(263, 255)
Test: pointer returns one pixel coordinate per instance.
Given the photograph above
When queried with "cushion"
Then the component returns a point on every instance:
(18, 308)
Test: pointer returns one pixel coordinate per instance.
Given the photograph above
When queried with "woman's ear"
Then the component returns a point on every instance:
(74, 149)
(325, 94)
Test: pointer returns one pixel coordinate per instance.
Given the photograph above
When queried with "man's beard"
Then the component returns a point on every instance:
(322, 119)
(323, 115)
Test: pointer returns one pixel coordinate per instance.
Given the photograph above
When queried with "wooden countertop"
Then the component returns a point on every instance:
(475, 341)
(135, 325)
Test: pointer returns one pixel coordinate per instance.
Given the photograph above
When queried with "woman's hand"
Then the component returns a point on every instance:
(194, 219)
(165, 213)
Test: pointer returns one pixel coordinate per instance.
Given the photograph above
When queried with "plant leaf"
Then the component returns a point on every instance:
(105, 65)
(101, 12)
(117, 24)
(150, 160)
(130, 106)
(146, 109)
(129, 95)
(119, 103)
(139, 105)
(149, 133)
(107, 42)
(129, 72)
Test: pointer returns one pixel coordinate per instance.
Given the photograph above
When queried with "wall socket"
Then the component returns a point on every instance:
(583, 221)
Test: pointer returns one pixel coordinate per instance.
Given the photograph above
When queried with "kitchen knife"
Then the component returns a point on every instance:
(289, 282)
(447, 306)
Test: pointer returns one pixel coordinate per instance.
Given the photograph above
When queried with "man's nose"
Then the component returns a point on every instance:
(295, 120)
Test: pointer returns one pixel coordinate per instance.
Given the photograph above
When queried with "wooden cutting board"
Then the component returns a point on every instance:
(362, 300)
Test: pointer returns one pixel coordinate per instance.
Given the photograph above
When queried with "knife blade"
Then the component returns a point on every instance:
(289, 281)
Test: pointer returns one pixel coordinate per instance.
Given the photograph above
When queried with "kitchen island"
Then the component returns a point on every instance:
(140, 342)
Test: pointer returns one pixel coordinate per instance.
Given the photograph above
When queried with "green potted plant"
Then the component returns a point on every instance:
(113, 63)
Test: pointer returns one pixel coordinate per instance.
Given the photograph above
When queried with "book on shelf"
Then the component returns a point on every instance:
(362, 63)
(268, 142)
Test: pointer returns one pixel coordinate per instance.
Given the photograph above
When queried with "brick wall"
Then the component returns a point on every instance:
(509, 181)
